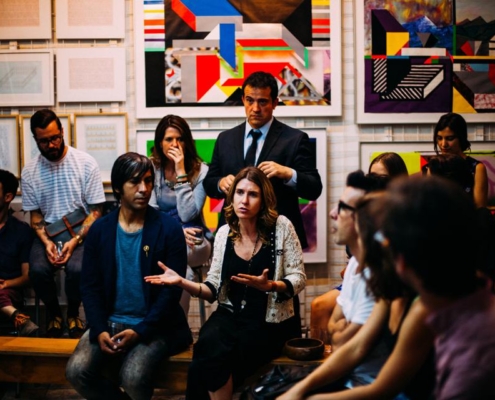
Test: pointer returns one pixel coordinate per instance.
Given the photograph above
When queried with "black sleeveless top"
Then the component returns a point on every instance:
(256, 300)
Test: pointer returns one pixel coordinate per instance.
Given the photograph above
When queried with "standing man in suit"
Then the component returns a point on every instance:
(283, 153)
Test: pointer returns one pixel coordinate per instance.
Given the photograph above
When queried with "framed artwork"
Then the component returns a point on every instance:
(197, 64)
(29, 148)
(9, 144)
(104, 136)
(25, 19)
(26, 78)
(90, 19)
(91, 74)
(314, 212)
(419, 60)
(416, 154)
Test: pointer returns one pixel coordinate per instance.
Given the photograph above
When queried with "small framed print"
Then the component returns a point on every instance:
(104, 136)
(90, 19)
(9, 144)
(25, 19)
(26, 78)
(91, 74)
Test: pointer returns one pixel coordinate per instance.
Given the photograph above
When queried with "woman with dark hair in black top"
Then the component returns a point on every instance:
(450, 137)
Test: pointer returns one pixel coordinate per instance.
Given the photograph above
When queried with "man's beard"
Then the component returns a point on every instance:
(53, 154)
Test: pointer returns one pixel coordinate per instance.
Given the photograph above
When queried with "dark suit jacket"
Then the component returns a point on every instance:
(284, 145)
(166, 242)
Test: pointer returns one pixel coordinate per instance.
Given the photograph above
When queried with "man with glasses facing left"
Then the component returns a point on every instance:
(58, 181)
(353, 304)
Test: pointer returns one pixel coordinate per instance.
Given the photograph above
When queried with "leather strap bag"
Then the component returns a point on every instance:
(67, 227)
(276, 382)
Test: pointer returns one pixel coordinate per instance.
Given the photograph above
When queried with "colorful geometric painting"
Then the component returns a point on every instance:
(313, 212)
(416, 155)
(197, 53)
(429, 56)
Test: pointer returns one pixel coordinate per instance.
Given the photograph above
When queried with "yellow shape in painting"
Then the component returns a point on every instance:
(460, 104)
(211, 218)
(413, 161)
(228, 90)
(396, 41)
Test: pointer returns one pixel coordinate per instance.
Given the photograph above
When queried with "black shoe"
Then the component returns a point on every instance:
(76, 327)
(54, 329)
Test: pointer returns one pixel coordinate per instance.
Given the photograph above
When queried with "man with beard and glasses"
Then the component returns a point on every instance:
(58, 181)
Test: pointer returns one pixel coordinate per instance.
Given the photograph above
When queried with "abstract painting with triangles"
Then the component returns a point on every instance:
(429, 56)
(197, 53)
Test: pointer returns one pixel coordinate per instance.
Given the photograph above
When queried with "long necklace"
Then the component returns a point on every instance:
(243, 301)
(170, 184)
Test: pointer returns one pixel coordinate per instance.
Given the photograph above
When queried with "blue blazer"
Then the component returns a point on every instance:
(285, 146)
(165, 240)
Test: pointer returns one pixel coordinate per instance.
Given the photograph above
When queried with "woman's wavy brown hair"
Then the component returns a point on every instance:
(267, 217)
(192, 161)
(383, 282)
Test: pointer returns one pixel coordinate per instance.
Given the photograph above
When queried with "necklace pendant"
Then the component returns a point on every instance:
(243, 304)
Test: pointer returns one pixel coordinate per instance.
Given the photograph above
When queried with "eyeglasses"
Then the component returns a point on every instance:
(55, 140)
(344, 206)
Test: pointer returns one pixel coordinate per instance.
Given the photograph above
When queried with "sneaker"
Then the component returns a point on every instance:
(76, 327)
(54, 329)
(24, 325)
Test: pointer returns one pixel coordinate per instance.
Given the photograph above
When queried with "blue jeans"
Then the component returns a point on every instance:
(135, 377)
(42, 275)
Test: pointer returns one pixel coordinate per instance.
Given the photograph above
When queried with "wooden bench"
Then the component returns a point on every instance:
(41, 360)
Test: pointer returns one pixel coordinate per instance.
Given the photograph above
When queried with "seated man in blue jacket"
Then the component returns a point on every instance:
(129, 321)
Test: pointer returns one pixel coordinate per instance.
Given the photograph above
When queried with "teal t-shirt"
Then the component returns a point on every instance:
(130, 306)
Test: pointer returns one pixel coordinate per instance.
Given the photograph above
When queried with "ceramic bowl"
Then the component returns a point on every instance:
(304, 349)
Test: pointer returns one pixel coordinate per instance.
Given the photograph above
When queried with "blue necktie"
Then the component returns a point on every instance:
(251, 153)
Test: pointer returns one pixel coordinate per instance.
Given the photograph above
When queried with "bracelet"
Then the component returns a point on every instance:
(199, 293)
(181, 176)
(179, 184)
(79, 239)
(273, 287)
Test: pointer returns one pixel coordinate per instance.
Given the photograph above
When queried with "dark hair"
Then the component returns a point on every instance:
(370, 182)
(382, 282)
(267, 217)
(9, 182)
(453, 167)
(128, 166)
(42, 118)
(192, 161)
(394, 164)
(261, 80)
(457, 124)
(429, 222)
